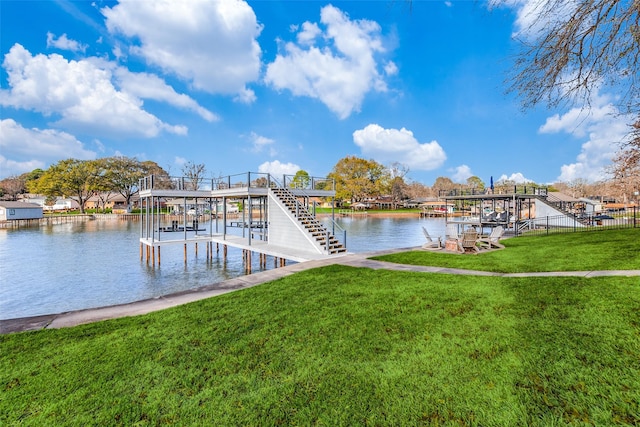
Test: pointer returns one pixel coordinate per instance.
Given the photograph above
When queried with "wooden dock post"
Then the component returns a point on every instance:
(185, 253)
(158, 256)
(153, 255)
(141, 251)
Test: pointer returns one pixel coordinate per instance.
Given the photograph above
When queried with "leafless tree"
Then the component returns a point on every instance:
(194, 174)
(571, 49)
(12, 186)
(626, 166)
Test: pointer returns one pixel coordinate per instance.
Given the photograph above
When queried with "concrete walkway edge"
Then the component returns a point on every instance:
(79, 317)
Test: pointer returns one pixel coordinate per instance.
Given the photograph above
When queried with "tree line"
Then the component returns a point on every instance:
(82, 179)
(356, 180)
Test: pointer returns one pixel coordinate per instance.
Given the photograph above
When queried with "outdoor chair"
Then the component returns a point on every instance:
(452, 232)
(468, 242)
(452, 238)
(431, 243)
(492, 240)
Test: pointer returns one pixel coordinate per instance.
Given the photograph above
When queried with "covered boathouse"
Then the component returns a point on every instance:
(275, 217)
(517, 209)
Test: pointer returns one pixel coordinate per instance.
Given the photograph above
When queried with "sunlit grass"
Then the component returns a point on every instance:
(585, 251)
(345, 346)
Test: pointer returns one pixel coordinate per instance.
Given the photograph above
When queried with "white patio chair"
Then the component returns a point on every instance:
(492, 240)
(431, 242)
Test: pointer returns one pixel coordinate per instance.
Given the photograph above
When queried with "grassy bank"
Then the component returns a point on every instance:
(346, 346)
(585, 251)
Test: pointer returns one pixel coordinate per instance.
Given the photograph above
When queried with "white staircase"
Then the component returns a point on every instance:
(317, 234)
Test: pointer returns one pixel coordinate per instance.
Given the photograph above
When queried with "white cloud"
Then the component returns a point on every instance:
(339, 72)
(461, 173)
(83, 95)
(308, 34)
(278, 169)
(259, 142)
(390, 68)
(580, 121)
(149, 86)
(64, 43)
(532, 16)
(516, 177)
(393, 145)
(211, 44)
(602, 126)
(26, 149)
(180, 161)
(12, 167)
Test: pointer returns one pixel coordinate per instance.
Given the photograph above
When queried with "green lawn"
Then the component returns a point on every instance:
(346, 346)
(584, 251)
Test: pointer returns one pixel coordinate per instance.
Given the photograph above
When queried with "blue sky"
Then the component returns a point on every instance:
(278, 86)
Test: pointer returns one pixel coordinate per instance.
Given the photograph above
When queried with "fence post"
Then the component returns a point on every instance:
(547, 225)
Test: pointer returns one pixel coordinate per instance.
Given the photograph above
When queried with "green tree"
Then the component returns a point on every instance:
(122, 174)
(68, 178)
(100, 184)
(358, 178)
(300, 180)
(33, 175)
(475, 183)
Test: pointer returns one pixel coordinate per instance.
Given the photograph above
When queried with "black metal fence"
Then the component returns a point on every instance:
(586, 222)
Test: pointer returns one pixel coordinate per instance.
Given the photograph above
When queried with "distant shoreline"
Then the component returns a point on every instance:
(376, 214)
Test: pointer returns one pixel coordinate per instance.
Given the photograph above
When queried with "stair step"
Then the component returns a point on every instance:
(312, 226)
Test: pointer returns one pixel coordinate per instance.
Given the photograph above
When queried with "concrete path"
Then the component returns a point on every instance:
(79, 317)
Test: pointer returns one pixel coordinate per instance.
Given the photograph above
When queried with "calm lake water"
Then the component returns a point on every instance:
(58, 268)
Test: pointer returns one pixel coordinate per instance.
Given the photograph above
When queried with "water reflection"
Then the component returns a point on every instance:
(63, 267)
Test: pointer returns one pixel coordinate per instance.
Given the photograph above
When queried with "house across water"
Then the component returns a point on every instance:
(15, 214)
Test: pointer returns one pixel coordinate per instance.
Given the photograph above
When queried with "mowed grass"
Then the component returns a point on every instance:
(344, 346)
(584, 251)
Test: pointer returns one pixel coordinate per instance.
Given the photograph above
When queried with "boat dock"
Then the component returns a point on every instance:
(277, 218)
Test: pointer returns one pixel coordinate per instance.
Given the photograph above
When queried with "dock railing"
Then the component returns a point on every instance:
(502, 190)
(308, 182)
(241, 180)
